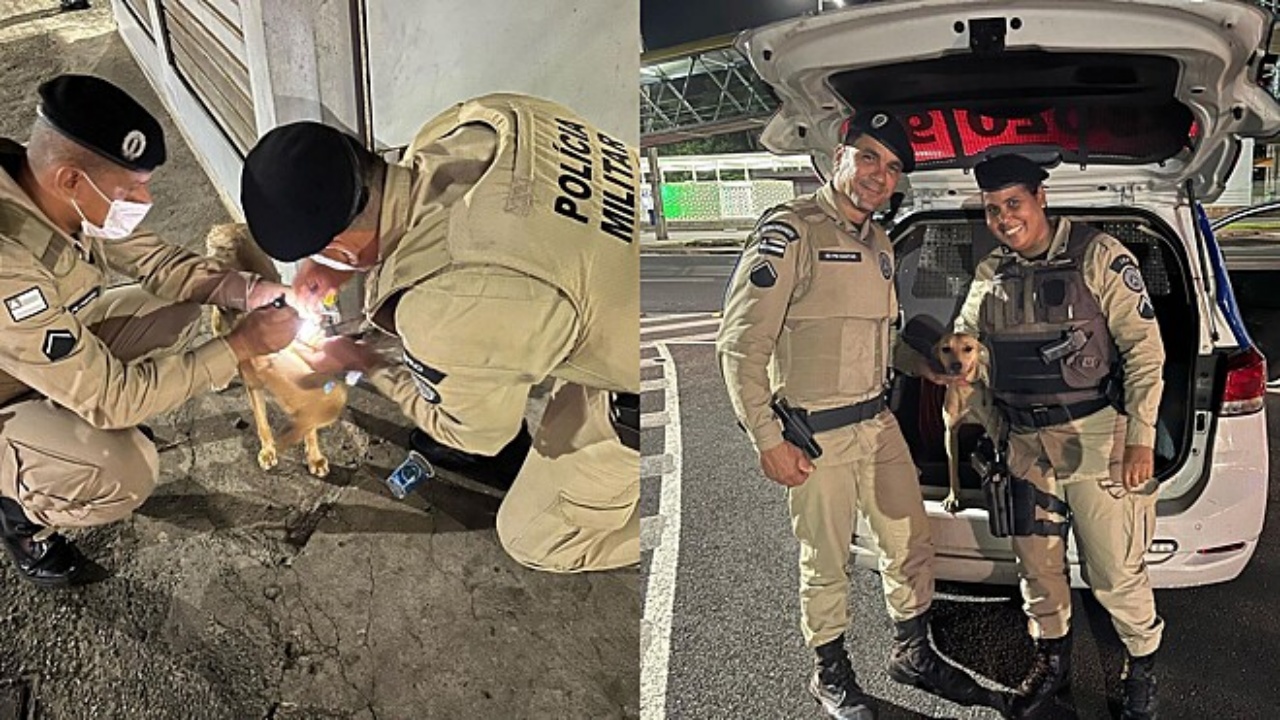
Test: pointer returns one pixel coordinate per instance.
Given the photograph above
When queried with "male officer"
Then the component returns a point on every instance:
(1071, 332)
(502, 250)
(81, 367)
(809, 318)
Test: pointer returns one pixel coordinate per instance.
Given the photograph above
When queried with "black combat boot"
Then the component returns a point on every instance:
(913, 661)
(69, 5)
(496, 471)
(1050, 674)
(1139, 679)
(834, 686)
(51, 562)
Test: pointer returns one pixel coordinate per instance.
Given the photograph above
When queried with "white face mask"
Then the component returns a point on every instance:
(122, 219)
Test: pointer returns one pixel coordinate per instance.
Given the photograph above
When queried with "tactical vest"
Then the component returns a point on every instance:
(78, 275)
(1034, 308)
(560, 203)
(835, 344)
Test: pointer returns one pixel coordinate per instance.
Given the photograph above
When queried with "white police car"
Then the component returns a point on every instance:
(1143, 103)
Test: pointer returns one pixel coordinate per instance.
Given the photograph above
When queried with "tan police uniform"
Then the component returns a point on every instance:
(509, 254)
(1080, 462)
(809, 317)
(81, 365)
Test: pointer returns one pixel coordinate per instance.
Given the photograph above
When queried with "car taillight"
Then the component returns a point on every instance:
(1246, 387)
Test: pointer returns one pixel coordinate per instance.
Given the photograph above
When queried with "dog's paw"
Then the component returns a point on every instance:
(952, 504)
(267, 458)
(318, 467)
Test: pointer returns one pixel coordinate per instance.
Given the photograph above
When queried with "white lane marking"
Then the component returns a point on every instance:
(711, 323)
(651, 532)
(660, 590)
(668, 317)
(651, 385)
(653, 419)
(651, 362)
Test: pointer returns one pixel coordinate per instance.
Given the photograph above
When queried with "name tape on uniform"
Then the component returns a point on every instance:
(839, 256)
(25, 304)
(425, 378)
(579, 183)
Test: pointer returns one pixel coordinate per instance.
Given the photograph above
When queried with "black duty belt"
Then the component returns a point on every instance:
(624, 415)
(1041, 416)
(823, 420)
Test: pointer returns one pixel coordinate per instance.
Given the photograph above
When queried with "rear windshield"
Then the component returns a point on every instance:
(1102, 107)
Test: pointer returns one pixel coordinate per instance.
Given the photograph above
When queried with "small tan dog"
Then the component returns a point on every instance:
(296, 389)
(964, 357)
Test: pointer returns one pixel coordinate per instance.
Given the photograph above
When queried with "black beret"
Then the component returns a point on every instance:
(1001, 171)
(300, 186)
(883, 127)
(104, 119)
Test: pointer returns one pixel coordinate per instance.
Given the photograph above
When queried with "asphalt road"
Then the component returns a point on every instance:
(683, 283)
(734, 649)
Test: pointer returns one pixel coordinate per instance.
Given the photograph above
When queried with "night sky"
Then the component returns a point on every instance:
(664, 23)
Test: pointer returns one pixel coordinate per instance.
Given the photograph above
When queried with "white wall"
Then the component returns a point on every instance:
(424, 56)
(429, 55)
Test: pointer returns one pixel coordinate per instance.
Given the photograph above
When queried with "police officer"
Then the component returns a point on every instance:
(1071, 332)
(81, 366)
(501, 251)
(809, 318)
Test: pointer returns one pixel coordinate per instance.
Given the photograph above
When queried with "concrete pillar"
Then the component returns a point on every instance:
(655, 185)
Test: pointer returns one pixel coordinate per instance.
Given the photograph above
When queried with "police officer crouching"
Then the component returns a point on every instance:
(496, 268)
(813, 296)
(83, 365)
(1072, 334)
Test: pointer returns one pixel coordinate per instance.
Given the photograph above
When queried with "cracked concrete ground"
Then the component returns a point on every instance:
(237, 593)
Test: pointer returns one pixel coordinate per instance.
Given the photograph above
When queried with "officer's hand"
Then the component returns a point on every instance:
(1139, 466)
(265, 292)
(786, 464)
(313, 282)
(264, 331)
(340, 354)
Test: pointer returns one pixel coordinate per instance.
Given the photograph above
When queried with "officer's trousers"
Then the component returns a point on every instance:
(574, 505)
(1081, 463)
(63, 471)
(866, 467)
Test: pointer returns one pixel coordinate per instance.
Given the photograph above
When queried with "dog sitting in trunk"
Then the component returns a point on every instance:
(298, 391)
(962, 356)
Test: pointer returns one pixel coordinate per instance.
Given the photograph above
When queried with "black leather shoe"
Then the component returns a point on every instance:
(835, 687)
(1139, 680)
(1050, 674)
(913, 661)
(69, 5)
(496, 471)
(52, 562)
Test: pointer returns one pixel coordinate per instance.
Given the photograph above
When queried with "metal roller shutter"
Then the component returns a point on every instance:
(206, 46)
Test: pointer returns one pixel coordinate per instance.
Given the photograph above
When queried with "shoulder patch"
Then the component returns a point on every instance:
(763, 275)
(779, 228)
(58, 344)
(1145, 309)
(886, 265)
(26, 304)
(425, 378)
(772, 246)
(1121, 262)
(1132, 278)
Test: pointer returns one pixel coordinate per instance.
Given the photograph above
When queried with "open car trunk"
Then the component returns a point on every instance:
(936, 255)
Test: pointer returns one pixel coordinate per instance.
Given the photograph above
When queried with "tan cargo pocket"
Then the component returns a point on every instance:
(59, 491)
(591, 516)
(1141, 528)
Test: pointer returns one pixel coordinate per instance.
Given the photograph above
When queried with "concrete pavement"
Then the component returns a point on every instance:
(237, 593)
